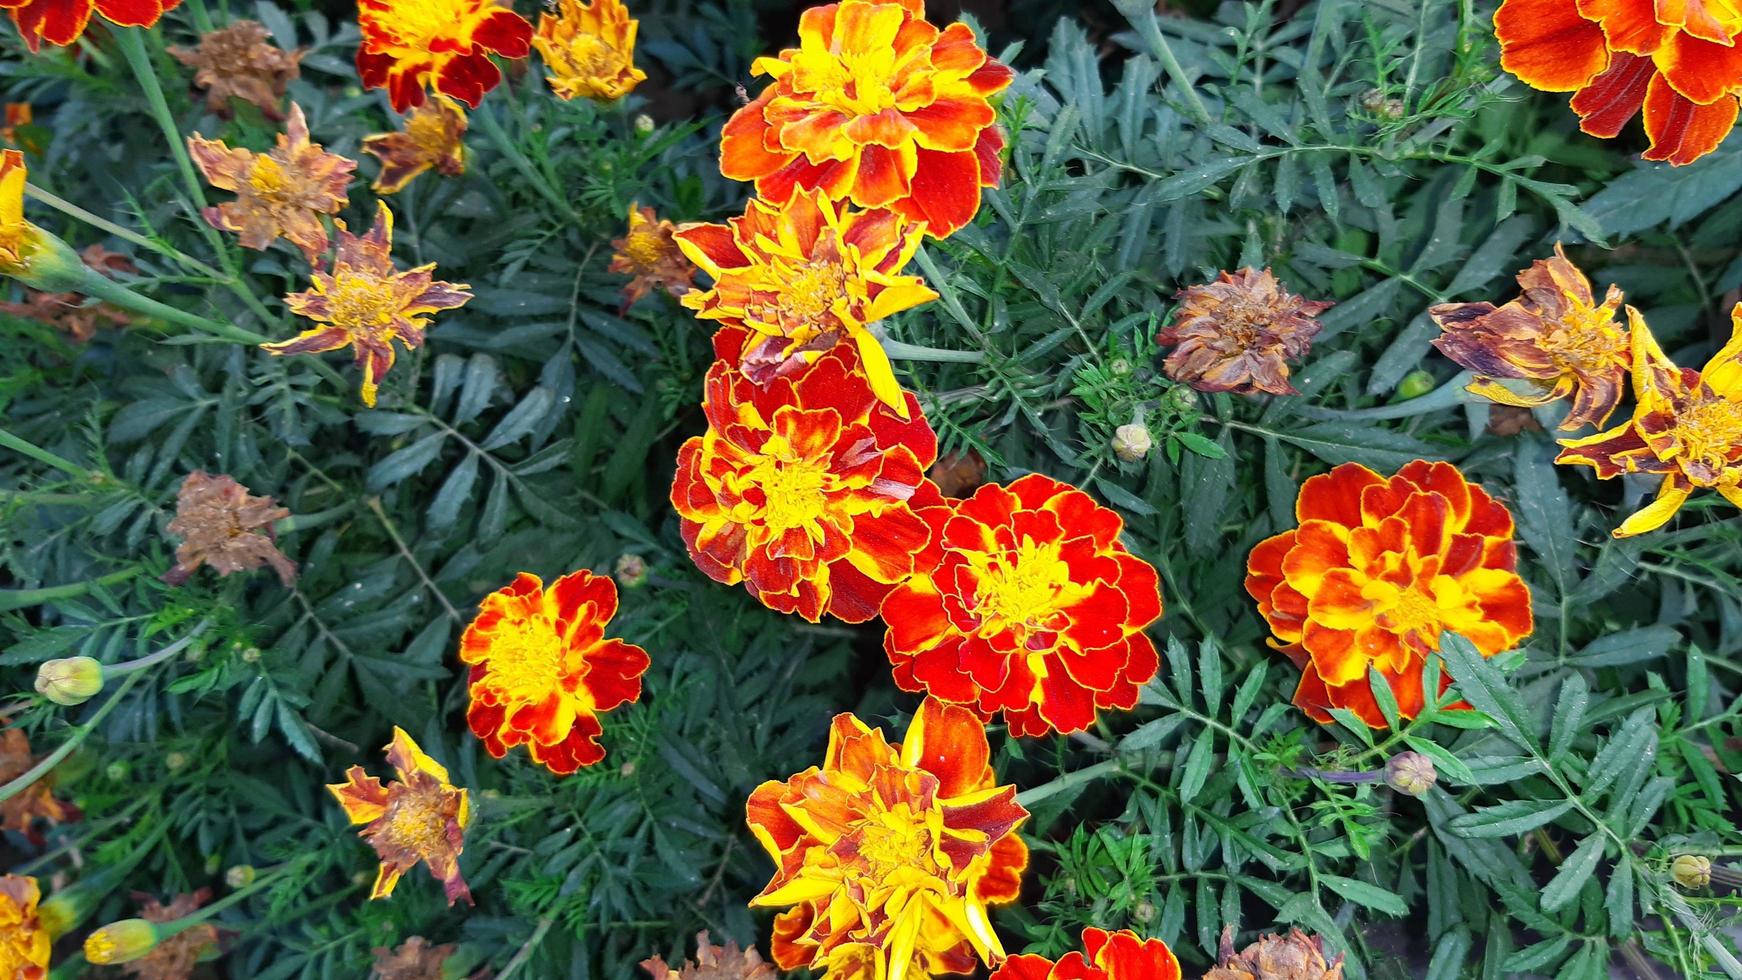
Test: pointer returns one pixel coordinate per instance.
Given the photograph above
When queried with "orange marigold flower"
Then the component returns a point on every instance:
(1121, 955)
(649, 254)
(365, 303)
(433, 138)
(803, 489)
(1377, 570)
(1026, 602)
(422, 817)
(222, 525)
(589, 49)
(543, 671)
(1680, 61)
(443, 44)
(1686, 425)
(237, 62)
(1239, 333)
(1555, 337)
(62, 22)
(24, 943)
(876, 106)
(890, 854)
(20, 812)
(281, 192)
(807, 275)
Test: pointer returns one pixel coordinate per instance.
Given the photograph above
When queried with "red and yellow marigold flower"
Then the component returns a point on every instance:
(1679, 60)
(365, 303)
(434, 138)
(1686, 426)
(878, 107)
(24, 943)
(1555, 338)
(444, 45)
(803, 489)
(543, 671)
(422, 817)
(649, 254)
(1378, 569)
(804, 276)
(588, 47)
(1121, 955)
(62, 22)
(889, 855)
(1026, 602)
(283, 192)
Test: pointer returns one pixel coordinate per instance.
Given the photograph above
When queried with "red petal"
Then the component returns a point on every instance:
(1682, 132)
(1614, 97)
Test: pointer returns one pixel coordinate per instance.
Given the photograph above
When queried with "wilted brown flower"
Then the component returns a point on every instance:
(415, 959)
(1510, 420)
(958, 474)
(173, 958)
(1296, 956)
(1239, 333)
(281, 192)
(434, 137)
(36, 801)
(237, 62)
(1556, 338)
(72, 312)
(224, 526)
(651, 256)
(713, 963)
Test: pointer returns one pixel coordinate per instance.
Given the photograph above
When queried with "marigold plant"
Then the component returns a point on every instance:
(1025, 602)
(1239, 334)
(1378, 569)
(420, 817)
(588, 47)
(24, 943)
(878, 107)
(225, 527)
(542, 671)
(889, 855)
(63, 22)
(442, 45)
(1121, 955)
(434, 138)
(281, 193)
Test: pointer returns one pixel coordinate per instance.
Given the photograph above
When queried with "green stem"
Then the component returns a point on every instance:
(97, 285)
(1069, 780)
(492, 128)
(1142, 16)
(525, 951)
(915, 352)
(17, 445)
(104, 224)
(308, 522)
(23, 598)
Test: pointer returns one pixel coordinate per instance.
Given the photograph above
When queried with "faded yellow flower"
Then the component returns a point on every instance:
(222, 525)
(589, 49)
(237, 62)
(433, 138)
(649, 254)
(24, 943)
(281, 192)
(422, 817)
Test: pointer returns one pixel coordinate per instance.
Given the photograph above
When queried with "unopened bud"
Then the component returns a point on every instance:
(1691, 871)
(45, 262)
(121, 942)
(631, 571)
(627, 770)
(1144, 911)
(1414, 385)
(118, 771)
(1120, 367)
(1132, 442)
(1410, 773)
(644, 124)
(71, 681)
(1183, 398)
(175, 761)
(251, 655)
(239, 876)
(63, 911)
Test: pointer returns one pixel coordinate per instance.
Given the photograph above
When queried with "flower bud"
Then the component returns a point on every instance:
(1144, 911)
(1410, 773)
(631, 571)
(1120, 367)
(1691, 871)
(46, 263)
(121, 942)
(118, 771)
(644, 124)
(1132, 442)
(240, 876)
(175, 761)
(70, 681)
(1414, 385)
(627, 770)
(251, 655)
(63, 911)
(1183, 398)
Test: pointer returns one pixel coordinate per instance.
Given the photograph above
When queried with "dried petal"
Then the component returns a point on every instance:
(282, 192)
(421, 817)
(1296, 956)
(433, 138)
(415, 959)
(1239, 333)
(713, 963)
(222, 525)
(237, 62)
(34, 802)
(649, 254)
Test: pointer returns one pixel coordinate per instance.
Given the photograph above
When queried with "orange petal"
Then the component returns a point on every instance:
(1548, 45)
(1682, 131)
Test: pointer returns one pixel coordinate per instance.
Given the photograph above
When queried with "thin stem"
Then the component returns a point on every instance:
(1069, 780)
(125, 234)
(97, 285)
(404, 551)
(492, 128)
(525, 951)
(22, 598)
(916, 352)
(17, 445)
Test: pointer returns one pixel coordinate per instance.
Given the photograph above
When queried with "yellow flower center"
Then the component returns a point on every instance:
(415, 822)
(428, 128)
(267, 179)
(1585, 341)
(1023, 591)
(813, 290)
(418, 23)
(855, 82)
(527, 660)
(1415, 612)
(591, 57)
(363, 302)
(645, 247)
(1710, 429)
(894, 840)
(795, 491)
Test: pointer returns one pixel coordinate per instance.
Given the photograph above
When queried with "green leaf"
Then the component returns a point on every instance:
(1545, 519)
(1484, 687)
(1508, 819)
(1197, 767)
(1151, 733)
(1627, 647)
(1384, 698)
(1363, 893)
(1569, 711)
(401, 464)
(1573, 873)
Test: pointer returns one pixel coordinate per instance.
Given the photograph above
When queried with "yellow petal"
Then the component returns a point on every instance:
(1724, 371)
(881, 373)
(1670, 498)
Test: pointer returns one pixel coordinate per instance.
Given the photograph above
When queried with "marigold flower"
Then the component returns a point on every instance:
(17, 116)
(1121, 955)
(1025, 602)
(282, 192)
(543, 671)
(414, 959)
(713, 963)
(876, 106)
(805, 276)
(433, 138)
(27, 253)
(422, 817)
(173, 957)
(62, 22)
(649, 254)
(803, 489)
(365, 303)
(222, 525)
(1555, 337)
(24, 943)
(1377, 570)
(1686, 425)
(1679, 61)
(236, 62)
(1296, 956)
(20, 812)
(443, 44)
(890, 854)
(1239, 333)
(589, 49)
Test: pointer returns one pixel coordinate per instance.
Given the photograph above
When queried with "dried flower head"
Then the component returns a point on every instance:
(222, 525)
(365, 303)
(1556, 338)
(415, 959)
(63, 22)
(444, 44)
(713, 963)
(35, 802)
(434, 137)
(422, 817)
(1410, 773)
(589, 49)
(959, 473)
(1121, 955)
(24, 943)
(1239, 333)
(1296, 956)
(649, 254)
(237, 62)
(173, 957)
(282, 192)
(73, 313)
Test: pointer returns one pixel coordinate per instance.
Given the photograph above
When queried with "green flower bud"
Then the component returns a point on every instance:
(121, 942)
(1410, 773)
(1414, 385)
(1120, 367)
(1691, 871)
(1132, 442)
(240, 876)
(46, 263)
(631, 571)
(1183, 398)
(175, 761)
(69, 681)
(644, 124)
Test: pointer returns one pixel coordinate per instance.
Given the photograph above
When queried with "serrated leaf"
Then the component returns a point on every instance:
(1508, 819)
(1366, 894)
(1573, 873)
